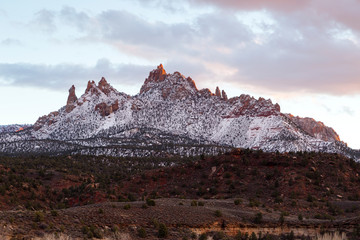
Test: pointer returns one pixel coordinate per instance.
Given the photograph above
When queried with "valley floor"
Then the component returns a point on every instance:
(182, 218)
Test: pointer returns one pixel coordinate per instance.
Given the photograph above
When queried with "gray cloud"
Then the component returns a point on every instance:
(79, 19)
(45, 21)
(62, 76)
(10, 42)
(298, 52)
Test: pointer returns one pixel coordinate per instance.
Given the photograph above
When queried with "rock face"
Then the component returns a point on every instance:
(217, 92)
(155, 76)
(315, 128)
(171, 115)
(106, 110)
(71, 99)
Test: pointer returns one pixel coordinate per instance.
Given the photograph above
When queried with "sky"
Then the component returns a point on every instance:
(304, 55)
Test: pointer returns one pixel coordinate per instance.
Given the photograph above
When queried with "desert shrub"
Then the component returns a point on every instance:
(203, 236)
(114, 229)
(39, 216)
(131, 197)
(150, 202)
(142, 233)
(218, 213)
(127, 206)
(253, 236)
(258, 218)
(253, 203)
(201, 204)
(282, 218)
(237, 201)
(54, 213)
(194, 203)
(300, 217)
(92, 231)
(163, 231)
(219, 236)
(323, 216)
(310, 198)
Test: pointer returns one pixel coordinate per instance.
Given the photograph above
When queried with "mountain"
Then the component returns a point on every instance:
(169, 116)
(13, 128)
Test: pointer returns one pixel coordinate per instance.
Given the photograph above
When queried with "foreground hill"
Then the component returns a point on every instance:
(245, 190)
(169, 116)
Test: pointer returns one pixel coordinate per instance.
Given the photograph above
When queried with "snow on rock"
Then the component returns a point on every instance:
(171, 115)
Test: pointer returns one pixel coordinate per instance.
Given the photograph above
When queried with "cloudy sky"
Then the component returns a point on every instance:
(302, 54)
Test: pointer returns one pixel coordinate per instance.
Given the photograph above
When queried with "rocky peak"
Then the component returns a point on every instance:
(91, 85)
(104, 86)
(191, 83)
(156, 75)
(224, 95)
(71, 99)
(217, 92)
(174, 86)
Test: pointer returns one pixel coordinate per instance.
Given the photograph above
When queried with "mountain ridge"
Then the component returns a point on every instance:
(171, 105)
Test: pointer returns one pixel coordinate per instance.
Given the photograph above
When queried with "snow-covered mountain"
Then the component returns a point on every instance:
(169, 116)
(13, 127)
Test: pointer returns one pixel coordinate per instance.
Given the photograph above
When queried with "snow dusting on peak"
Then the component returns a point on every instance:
(170, 115)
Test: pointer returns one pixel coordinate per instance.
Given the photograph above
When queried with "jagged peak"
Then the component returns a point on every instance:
(217, 92)
(224, 95)
(159, 75)
(72, 98)
(103, 86)
(90, 85)
(103, 83)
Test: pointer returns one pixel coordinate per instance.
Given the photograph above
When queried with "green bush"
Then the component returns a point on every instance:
(203, 236)
(150, 202)
(218, 213)
(258, 218)
(39, 216)
(237, 201)
(142, 233)
(127, 207)
(163, 231)
(54, 213)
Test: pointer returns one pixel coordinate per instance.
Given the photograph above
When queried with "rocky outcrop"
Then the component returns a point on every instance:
(70, 104)
(155, 76)
(315, 128)
(252, 107)
(104, 86)
(106, 110)
(45, 120)
(224, 95)
(217, 92)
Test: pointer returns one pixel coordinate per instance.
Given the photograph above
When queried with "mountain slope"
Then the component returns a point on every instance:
(170, 115)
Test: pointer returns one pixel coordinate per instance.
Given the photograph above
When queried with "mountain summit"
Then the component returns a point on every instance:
(170, 115)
